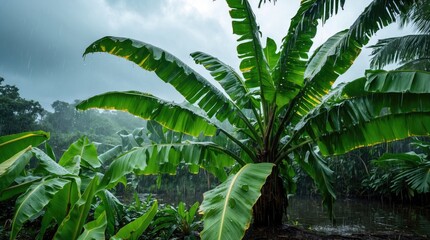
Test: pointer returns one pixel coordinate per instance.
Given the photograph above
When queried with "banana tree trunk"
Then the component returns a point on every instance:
(272, 204)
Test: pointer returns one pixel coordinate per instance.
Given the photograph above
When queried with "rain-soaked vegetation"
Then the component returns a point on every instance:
(280, 153)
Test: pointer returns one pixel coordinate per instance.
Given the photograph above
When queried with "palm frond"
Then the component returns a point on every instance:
(400, 50)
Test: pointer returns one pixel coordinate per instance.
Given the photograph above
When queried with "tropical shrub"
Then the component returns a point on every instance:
(402, 174)
(62, 193)
(273, 114)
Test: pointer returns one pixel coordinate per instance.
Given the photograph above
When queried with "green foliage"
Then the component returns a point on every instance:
(64, 193)
(175, 223)
(402, 174)
(17, 114)
(135, 228)
(66, 125)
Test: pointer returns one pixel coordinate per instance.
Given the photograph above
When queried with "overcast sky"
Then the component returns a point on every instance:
(41, 42)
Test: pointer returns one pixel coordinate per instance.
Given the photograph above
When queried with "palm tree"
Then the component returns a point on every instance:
(274, 112)
(410, 51)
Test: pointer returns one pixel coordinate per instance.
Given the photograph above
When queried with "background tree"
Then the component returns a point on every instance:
(17, 114)
(66, 124)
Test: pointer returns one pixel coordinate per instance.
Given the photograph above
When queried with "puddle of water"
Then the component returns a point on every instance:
(359, 216)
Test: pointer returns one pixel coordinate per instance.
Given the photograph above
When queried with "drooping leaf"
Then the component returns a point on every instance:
(19, 188)
(322, 71)
(170, 115)
(34, 200)
(390, 106)
(12, 167)
(168, 68)
(47, 165)
(95, 230)
(134, 229)
(71, 227)
(316, 167)
(227, 209)
(165, 158)
(12, 144)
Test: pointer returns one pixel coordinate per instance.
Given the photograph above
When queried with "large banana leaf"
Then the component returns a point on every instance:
(254, 66)
(338, 53)
(71, 227)
(134, 229)
(289, 72)
(168, 114)
(59, 206)
(390, 106)
(34, 201)
(323, 69)
(165, 158)
(95, 230)
(227, 209)
(12, 168)
(168, 68)
(12, 144)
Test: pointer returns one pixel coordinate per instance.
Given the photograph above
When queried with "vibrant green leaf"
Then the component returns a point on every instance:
(59, 206)
(227, 209)
(389, 107)
(253, 64)
(71, 227)
(112, 207)
(186, 81)
(34, 200)
(12, 167)
(134, 229)
(83, 150)
(12, 144)
(170, 115)
(95, 230)
(228, 78)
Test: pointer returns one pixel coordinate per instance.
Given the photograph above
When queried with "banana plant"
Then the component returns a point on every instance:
(61, 193)
(281, 108)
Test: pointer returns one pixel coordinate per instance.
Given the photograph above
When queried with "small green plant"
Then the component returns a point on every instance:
(175, 223)
(402, 174)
